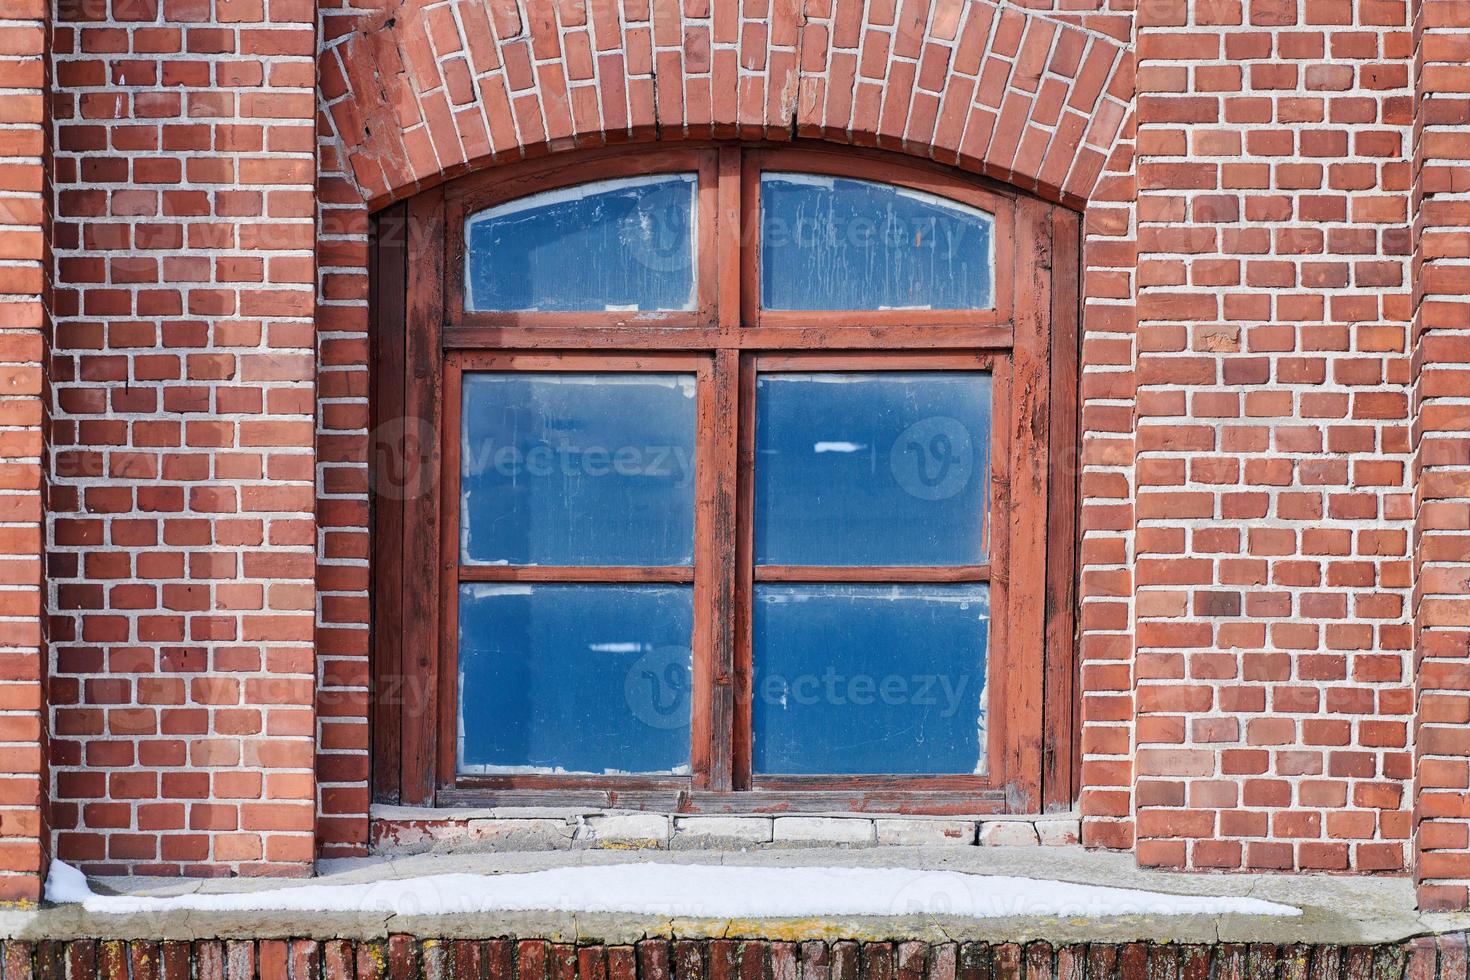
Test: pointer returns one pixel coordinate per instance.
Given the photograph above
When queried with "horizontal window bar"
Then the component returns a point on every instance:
(871, 573)
(576, 573)
(863, 798)
(827, 361)
(825, 336)
(653, 361)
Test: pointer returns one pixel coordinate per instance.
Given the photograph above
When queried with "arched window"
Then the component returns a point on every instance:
(725, 478)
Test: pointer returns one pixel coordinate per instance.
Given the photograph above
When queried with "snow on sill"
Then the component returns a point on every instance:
(686, 891)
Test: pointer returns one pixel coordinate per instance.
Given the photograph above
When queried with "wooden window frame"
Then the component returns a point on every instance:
(423, 340)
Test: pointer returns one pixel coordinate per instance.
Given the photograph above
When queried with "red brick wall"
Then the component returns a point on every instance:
(1273, 506)
(25, 217)
(1273, 448)
(181, 530)
(1441, 374)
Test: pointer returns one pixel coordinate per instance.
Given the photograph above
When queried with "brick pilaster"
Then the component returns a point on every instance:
(24, 308)
(1441, 346)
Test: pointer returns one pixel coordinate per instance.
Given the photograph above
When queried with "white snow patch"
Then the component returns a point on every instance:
(698, 891)
(66, 885)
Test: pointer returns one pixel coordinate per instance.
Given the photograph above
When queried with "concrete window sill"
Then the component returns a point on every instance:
(415, 830)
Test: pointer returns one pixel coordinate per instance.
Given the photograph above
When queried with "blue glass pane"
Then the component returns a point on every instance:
(574, 678)
(831, 243)
(611, 245)
(861, 679)
(577, 469)
(888, 468)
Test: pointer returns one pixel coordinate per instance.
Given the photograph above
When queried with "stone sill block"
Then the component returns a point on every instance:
(416, 830)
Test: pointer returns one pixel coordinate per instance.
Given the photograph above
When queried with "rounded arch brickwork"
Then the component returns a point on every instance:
(425, 91)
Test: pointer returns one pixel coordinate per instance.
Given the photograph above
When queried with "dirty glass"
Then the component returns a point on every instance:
(833, 243)
(577, 469)
(625, 244)
(869, 679)
(574, 678)
(872, 468)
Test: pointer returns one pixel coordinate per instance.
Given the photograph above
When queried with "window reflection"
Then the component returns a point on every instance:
(625, 245)
(834, 243)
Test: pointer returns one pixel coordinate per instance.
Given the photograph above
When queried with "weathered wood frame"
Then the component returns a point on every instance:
(423, 339)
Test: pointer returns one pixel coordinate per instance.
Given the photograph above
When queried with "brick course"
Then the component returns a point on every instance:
(1274, 459)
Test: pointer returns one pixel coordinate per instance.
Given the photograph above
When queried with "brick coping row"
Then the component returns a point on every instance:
(403, 957)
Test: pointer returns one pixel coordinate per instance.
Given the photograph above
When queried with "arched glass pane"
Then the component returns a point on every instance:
(833, 243)
(624, 244)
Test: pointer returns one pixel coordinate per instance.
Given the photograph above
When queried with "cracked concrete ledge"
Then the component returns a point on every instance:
(1337, 910)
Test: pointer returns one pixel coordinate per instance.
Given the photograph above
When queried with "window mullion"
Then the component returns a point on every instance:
(727, 244)
(714, 574)
(744, 565)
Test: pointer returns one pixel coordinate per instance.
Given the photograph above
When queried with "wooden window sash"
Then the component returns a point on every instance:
(729, 341)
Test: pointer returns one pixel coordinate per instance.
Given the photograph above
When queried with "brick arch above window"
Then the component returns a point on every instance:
(422, 92)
